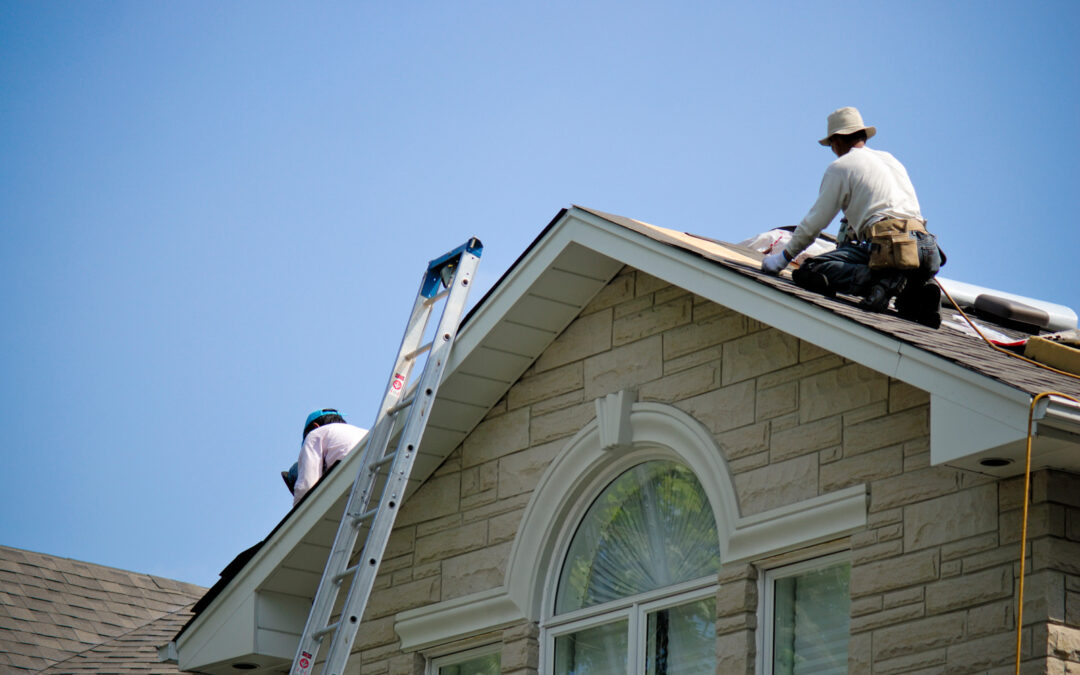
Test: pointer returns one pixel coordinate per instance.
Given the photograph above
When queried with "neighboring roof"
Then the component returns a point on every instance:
(980, 396)
(59, 615)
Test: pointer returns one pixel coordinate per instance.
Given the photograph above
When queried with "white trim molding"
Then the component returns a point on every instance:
(577, 474)
(613, 419)
(434, 624)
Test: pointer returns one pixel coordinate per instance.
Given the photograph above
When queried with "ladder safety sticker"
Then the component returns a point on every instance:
(397, 385)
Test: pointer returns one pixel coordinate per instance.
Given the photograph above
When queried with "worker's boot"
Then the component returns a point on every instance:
(877, 298)
(805, 276)
(921, 303)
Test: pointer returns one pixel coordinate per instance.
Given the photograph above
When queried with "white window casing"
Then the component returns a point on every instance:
(767, 612)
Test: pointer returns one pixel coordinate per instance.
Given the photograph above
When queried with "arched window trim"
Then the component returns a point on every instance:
(649, 430)
(631, 432)
(584, 468)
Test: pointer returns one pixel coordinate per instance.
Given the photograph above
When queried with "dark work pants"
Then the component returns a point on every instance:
(847, 267)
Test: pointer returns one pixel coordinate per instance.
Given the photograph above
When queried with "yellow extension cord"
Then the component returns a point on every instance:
(1027, 462)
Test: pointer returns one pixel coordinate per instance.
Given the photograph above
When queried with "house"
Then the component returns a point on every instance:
(646, 456)
(65, 616)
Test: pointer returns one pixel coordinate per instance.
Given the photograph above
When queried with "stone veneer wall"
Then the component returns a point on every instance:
(933, 574)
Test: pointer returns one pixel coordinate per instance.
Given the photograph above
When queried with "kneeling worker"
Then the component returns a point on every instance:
(327, 439)
(884, 249)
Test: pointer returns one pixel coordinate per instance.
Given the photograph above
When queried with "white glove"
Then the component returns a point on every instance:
(773, 264)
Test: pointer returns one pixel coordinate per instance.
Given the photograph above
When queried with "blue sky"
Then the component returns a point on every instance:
(214, 215)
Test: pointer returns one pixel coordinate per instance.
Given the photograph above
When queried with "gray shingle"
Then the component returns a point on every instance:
(61, 615)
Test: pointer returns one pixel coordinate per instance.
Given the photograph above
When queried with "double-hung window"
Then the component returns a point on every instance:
(637, 589)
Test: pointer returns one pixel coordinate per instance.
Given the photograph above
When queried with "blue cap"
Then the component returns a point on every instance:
(319, 413)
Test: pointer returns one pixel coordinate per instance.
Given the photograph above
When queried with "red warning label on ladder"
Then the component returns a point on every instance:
(397, 385)
(304, 665)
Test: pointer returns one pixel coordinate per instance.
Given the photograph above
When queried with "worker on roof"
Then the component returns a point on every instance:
(327, 439)
(883, 248)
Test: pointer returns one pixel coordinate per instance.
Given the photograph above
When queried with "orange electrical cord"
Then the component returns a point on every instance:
(1023, 527)
(994, 346)
(1027, 462)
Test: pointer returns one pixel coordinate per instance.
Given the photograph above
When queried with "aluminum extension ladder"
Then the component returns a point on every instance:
(447, 277)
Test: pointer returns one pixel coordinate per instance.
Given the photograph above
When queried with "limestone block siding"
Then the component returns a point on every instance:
(934, 574)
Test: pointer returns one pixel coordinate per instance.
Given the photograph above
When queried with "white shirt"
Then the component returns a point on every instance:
(869, 185)
(321, 449)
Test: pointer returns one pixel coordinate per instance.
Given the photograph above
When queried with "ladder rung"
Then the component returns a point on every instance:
(320, 634)
(338, 578)
(384, 461)
(437, 297)
(364, 516)
(401, 406)
(418, 351)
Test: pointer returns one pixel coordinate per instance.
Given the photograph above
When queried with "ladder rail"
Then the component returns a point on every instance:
(455, 270)
(397, 481)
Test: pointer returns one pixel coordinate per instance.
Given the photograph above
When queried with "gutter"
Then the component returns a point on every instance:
(1059, 413)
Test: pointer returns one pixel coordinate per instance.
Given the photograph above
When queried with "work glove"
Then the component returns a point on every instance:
(773, 264)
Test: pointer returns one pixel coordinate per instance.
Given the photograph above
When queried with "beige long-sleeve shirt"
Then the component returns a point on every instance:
(868, 185)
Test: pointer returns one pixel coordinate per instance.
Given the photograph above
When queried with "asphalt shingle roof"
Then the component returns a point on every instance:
(59, 615)
(967, 351)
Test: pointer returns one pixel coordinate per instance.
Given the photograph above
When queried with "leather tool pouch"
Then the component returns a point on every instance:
(894, 244)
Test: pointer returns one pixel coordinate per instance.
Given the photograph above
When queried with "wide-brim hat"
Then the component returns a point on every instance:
(846, 121)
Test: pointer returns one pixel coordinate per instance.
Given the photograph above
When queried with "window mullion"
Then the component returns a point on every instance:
(635, 659)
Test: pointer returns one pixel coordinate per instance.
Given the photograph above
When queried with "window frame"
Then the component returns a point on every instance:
(767, 605)
(634, 608)
(456, 658)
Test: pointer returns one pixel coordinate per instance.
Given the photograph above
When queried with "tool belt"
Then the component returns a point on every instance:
(894, 244)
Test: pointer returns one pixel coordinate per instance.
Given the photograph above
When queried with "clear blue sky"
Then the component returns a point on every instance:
(214, 215)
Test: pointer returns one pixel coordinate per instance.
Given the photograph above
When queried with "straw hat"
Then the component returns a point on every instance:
(846, 121)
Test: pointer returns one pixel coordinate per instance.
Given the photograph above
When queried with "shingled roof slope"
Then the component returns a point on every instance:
(967, 351)
(59, 615)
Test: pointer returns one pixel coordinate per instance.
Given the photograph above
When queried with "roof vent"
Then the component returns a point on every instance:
(1011, 313)
(1061, 317)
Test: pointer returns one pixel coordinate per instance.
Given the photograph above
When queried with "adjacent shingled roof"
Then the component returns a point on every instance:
(59, 615)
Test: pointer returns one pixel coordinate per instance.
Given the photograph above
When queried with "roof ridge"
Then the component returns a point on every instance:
(117, 637)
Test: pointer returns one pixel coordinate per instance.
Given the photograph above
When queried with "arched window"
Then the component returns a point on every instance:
(636, 591)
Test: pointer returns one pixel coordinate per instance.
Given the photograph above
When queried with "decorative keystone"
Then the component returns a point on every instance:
(613, 419)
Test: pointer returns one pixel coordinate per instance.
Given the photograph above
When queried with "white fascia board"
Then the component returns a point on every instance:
(241, 590)
(225, 636)
(513, 287)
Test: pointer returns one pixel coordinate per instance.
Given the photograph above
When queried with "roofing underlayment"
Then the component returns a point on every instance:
(59, 615)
